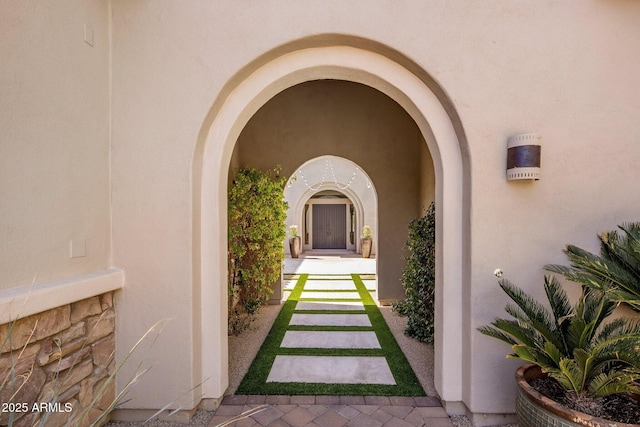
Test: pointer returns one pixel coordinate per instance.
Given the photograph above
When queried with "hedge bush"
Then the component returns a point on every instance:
(256, 214)
(418, 278)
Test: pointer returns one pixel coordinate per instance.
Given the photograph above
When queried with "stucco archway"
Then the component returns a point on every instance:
(351, 180)
(410, 87)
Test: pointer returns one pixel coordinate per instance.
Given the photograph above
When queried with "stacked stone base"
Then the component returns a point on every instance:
(55, 366)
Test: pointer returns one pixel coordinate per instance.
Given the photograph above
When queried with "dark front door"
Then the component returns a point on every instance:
(329, 226)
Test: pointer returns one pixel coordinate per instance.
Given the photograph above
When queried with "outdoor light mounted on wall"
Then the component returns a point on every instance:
(523, 157)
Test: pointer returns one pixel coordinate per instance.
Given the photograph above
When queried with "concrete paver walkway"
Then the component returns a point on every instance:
(332, 339)
(331, 411)
(311, 411)
(330, 369)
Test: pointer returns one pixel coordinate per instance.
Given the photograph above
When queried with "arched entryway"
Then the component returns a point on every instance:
(325, 184)
(434, 115)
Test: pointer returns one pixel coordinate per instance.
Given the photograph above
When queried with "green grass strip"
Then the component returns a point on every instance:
(254, 381)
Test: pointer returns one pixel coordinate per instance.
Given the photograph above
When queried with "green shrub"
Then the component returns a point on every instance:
(616, 271)
(578, 346)
(418, 278)
(257, 212)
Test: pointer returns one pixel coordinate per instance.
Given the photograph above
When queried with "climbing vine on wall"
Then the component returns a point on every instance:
(256, 214)
(419, 278)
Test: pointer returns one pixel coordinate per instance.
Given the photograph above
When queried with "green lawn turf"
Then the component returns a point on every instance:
(254, 382)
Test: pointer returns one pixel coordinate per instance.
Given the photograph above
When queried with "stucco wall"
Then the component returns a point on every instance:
(564, 69)
(54, 140)
(567, 70)
(358, 123)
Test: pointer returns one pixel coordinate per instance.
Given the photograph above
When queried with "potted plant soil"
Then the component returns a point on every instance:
(294, 241)
(366, 242)
(583, 366)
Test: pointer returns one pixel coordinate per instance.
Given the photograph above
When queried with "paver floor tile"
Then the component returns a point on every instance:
(349, 412)
(328, 305)
(299, 417)
(329, 295)
(377, 400)
(329, 339)
(229, 410)
(330, 419)
(279, 423)
(330, 320)
(303, 400)
(270, 414)
(427, 401)
(397, 411)
(327, 400)
(364, 420)
(381, 416)
(397, 422)
(340, 285)
(402, 400)
(234, 399)
(318, 409)
(287, 408)
(245, 422)
(278, 400)
(431, 412)
(438, 422)
(366, 409)
(331, 370)
(352, 400)
(415, 418)
(218, 419)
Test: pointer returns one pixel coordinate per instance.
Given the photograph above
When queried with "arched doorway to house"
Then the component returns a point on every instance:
(330, 199)
(433, 114)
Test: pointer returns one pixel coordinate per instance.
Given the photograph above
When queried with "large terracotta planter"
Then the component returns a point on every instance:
(366, 247)
(294, 246)
(535, 410)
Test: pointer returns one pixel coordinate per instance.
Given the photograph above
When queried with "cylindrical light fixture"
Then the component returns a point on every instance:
(523, 157)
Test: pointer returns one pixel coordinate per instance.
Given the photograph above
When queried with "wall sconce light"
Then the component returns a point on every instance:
(523, 157)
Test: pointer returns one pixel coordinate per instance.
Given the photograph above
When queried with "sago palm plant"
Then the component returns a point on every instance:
(571, 343)
(616, 271)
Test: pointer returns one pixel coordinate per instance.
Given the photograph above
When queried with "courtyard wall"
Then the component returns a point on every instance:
(100, 145)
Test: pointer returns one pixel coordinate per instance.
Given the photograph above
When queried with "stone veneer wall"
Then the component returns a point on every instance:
(65, 354)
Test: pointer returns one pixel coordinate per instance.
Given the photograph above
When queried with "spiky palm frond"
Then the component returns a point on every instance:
(624, 249)
(614, 382)
(522, 333)
(573, 344)
(616, 271)
(569, 375)
(532, 355)
(558, 299)
(589, 312)
(533, 336)
(496, 333)
(619, 335)
(538, 316)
